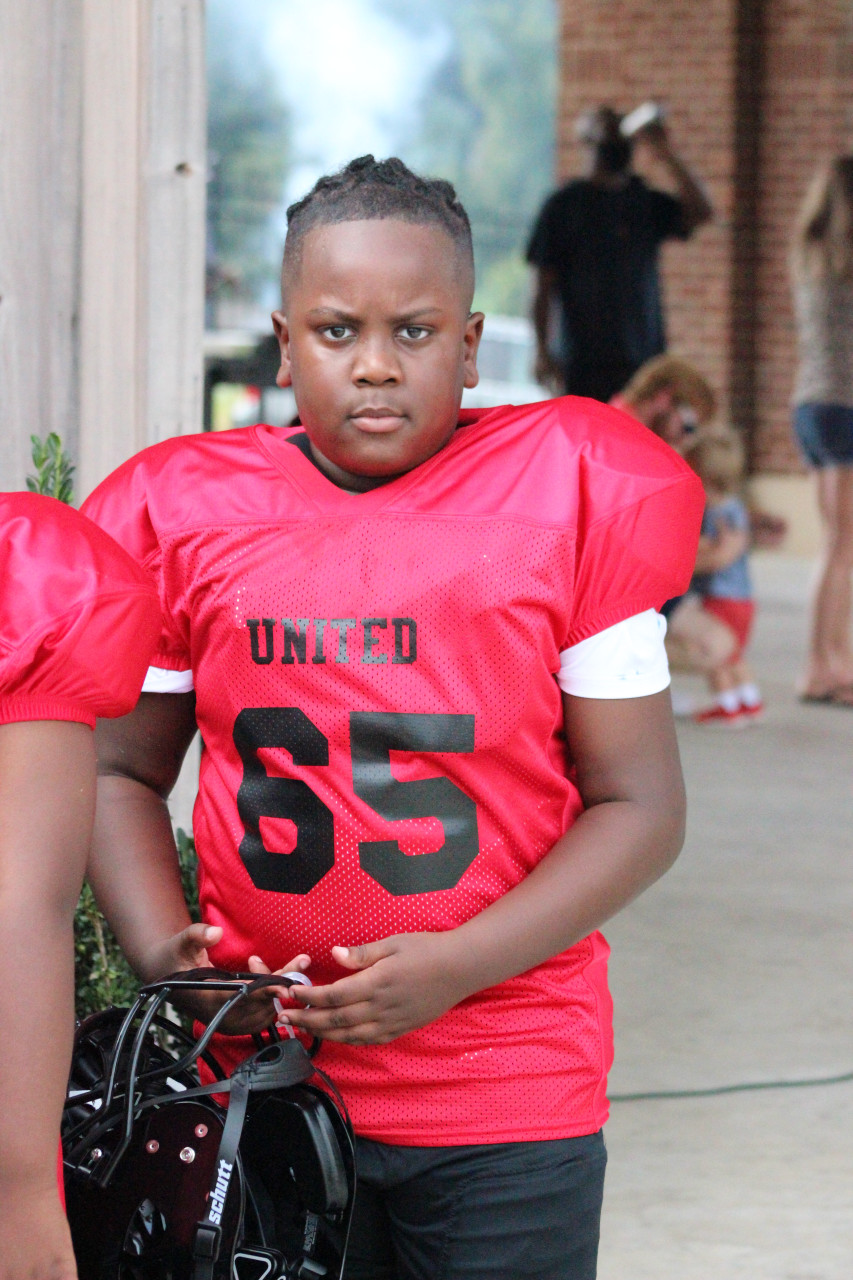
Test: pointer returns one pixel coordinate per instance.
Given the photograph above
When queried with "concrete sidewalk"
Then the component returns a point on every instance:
(738, 968)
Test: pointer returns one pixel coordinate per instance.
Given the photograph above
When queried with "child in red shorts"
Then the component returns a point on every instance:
(723, 582)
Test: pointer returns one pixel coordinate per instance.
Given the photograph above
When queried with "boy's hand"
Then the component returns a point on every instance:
(401, 983)
(188, 950)
(184, 950)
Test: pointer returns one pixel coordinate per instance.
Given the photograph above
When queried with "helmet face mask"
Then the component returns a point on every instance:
(166, 1182)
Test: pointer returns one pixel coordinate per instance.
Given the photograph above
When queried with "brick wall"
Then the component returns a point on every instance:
(758, 91)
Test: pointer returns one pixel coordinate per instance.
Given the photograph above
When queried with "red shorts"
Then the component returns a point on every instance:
(736, 614)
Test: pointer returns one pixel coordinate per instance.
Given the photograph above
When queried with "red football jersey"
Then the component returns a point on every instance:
(375, 681)
(79, 619)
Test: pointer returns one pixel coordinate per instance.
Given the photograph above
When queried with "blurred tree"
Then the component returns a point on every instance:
(487, 124)
(248, 154)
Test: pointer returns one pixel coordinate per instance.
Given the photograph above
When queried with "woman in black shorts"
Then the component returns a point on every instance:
(822, 270)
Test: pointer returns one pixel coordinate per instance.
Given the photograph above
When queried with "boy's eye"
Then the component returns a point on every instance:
(415, 332)
(337, 332)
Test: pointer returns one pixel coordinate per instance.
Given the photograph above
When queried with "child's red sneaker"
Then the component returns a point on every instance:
(719, 717)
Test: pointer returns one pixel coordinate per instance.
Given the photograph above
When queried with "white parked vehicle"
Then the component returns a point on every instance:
(505, 362)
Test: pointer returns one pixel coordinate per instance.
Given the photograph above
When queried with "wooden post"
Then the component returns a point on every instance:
(102, 134)
(113, 356)
(40, 74)
(142, 295)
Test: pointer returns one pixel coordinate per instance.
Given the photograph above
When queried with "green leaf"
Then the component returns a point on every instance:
(54, 471)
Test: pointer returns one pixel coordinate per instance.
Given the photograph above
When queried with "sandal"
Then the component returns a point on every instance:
(840, 696)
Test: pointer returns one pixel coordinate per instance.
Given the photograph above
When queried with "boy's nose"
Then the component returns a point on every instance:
(375, 362)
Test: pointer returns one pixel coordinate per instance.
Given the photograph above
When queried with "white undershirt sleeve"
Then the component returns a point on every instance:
(160, 680)
(624, 661)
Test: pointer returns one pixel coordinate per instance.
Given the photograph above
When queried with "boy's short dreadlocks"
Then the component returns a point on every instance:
(368, 189)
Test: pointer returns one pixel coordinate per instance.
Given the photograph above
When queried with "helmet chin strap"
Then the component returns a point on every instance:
(278, 1066)
(208, 1234)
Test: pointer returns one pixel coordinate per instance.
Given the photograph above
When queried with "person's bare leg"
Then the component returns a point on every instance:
(741, 673)
(722, 678)
(725, 708)
(748, 692)
(829, 665)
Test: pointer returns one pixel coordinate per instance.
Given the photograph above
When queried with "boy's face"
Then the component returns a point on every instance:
(377, 342)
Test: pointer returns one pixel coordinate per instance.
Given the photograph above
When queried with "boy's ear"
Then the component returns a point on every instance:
(471, 344)
(279, 323)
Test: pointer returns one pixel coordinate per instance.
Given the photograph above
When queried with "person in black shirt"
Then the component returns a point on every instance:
(594, 248)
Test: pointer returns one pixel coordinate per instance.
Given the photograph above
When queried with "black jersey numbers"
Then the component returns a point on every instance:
(261, 796)
(372, 738)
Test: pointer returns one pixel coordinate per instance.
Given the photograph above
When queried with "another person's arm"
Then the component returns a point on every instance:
(631, 831)
(546, 369)
(767, 531)
(718, 553)
(77, 622)
(721, 550)
(47, 799)
(696, 207)
(540, 254)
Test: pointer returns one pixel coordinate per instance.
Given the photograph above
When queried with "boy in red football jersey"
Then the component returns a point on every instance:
(422, 650)
(77, 622)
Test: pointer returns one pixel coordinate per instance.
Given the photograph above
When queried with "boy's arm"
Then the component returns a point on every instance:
(632, 829)
(133, 864)
(47, 799)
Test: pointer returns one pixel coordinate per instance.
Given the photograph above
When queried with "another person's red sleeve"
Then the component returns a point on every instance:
(79, 620)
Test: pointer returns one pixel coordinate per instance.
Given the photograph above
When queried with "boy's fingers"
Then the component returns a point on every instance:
(348, 990)
(323, 1021)
(197, 937)
(351, 992)
(363, 956)
(364, 1030)
(298, 964)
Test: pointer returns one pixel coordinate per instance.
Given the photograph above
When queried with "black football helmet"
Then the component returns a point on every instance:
(165, 1180)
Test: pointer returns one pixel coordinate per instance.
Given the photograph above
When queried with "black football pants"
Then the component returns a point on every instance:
(510, 1211)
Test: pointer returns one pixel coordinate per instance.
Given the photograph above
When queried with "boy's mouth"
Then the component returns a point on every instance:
(376, 419)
